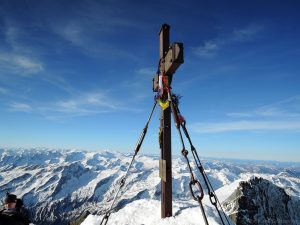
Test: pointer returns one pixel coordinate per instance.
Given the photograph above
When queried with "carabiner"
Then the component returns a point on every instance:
(198, 185)
(212, 198)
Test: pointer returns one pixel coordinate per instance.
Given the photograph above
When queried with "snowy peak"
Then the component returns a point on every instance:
(258, 201)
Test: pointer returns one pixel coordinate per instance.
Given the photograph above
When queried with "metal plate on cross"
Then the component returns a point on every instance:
(162, 169)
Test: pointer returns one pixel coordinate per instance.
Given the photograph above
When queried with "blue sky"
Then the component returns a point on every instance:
(78, 74)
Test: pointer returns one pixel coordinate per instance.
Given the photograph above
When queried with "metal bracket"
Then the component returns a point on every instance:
(163, 170)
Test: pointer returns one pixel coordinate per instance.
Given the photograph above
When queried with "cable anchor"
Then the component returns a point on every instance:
(197, 184)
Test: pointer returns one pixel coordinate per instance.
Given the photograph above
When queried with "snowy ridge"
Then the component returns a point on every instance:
(58, 185)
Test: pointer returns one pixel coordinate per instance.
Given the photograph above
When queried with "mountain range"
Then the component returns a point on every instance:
(57, 186)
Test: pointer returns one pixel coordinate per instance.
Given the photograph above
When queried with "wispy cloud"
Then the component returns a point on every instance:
(88, 103)
(18, 58)
(246, 125)
(286, 108)
(83, 104)
(19, 107)
(264, 112)
(210, 48)
(86, 38)
(20, 64)
(25, 60)
(281, 115)
(92, 27)
(28, 65)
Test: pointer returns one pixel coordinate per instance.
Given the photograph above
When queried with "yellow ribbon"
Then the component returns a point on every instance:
(162, 104)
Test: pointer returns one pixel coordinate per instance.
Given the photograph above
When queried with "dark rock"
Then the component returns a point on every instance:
(260, 202)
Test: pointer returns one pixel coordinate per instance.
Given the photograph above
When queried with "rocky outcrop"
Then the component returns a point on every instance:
(260, 202)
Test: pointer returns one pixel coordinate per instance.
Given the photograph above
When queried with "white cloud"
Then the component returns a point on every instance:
(20, 107)
(19, 64)
(90, 38)
(245, 125)
(287, 108)
(29, 66)
(20, 58)
(210, 48)
(83, 104)
(89, 103)
(280, 115)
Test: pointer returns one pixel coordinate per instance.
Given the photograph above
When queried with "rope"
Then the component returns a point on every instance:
(123, 180)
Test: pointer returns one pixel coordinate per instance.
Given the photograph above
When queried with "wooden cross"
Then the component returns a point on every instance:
(171, 57)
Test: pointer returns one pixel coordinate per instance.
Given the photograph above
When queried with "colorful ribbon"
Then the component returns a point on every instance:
(163, 104)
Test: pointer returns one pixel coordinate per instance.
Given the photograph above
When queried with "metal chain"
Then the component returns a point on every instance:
(123, 180)
(193, 182)
(212, 195)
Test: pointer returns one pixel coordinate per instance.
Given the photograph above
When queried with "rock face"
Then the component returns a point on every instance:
(260, 202)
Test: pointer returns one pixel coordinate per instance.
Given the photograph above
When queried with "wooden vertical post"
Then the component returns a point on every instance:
(165, 126)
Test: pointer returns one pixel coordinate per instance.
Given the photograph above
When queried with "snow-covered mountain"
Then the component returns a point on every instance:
(58, 185)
